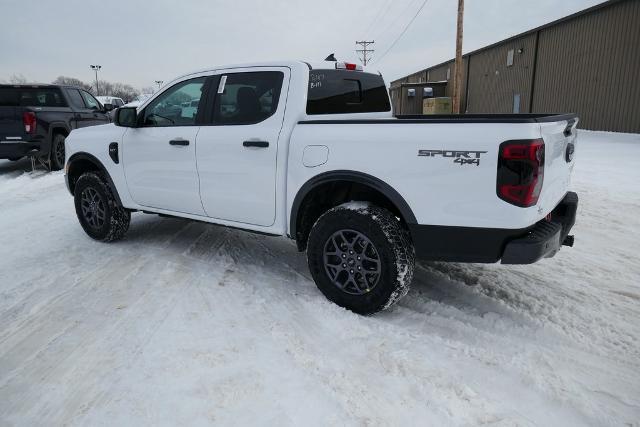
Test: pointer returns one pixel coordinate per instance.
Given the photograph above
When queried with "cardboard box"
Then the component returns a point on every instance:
(436, 105)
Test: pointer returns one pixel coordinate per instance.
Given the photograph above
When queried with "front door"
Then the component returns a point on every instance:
(159, 155)
(237, 154)
(92, 114)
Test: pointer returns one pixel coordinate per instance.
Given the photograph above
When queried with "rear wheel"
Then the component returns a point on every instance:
(56, 156)
(100, 215)
(361, 257)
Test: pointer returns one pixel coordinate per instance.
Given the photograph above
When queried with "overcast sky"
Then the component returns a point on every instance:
(137, 41)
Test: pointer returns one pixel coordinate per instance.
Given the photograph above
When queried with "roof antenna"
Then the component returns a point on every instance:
(331, 58)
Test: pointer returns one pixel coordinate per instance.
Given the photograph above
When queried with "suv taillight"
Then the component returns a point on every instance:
(29, 121)
(520, 171)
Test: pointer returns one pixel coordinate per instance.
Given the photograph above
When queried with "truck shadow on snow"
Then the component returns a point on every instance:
(9, 169)
(438, 288)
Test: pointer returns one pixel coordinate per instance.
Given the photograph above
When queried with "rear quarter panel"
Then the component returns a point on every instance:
(438, 190)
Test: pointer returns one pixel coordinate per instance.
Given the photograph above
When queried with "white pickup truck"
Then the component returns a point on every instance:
(312, 152)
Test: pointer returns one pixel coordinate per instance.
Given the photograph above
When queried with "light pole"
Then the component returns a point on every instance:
(159, 83)
(96, 68)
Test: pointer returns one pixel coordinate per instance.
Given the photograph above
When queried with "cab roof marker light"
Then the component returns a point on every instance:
(348, 66)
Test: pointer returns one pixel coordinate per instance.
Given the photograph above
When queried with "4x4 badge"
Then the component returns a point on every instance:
(462, 157)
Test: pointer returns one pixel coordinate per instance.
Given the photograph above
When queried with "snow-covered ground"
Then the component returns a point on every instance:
(188, 324)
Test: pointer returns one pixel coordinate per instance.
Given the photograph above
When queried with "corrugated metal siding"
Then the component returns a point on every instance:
(416, 77)
(403, 104)
(591, 65)
(440, 73)
(588, 64)
(493, 84)
(411, 105)
(394, 93)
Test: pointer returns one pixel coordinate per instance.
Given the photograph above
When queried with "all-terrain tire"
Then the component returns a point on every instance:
(100, 215)
(378, 229)
(56, 154)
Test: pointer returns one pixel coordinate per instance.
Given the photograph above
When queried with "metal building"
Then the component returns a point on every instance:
(587, 63)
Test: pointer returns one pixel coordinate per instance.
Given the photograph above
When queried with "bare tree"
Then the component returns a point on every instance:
(72, 81)
(125, 91)
(120, 90)
(17, 79)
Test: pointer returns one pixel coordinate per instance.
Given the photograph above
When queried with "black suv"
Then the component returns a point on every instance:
(35, 120)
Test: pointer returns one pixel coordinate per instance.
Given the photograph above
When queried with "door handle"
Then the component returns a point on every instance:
(179, 142)
(258, 144)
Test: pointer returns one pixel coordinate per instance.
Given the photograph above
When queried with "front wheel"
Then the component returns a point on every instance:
(361, 257)
(100, 215)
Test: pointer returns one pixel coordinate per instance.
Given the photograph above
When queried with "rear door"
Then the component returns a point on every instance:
(560, 143)
(237, 153)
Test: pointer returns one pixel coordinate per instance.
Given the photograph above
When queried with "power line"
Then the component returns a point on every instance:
(379, 15)
(403, 31)
(364, 51)
(393, 24)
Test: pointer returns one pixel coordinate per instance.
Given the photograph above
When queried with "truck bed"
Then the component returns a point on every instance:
(418, 156)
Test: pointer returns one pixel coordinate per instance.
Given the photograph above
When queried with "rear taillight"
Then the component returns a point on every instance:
(520, 171)
(29, 121)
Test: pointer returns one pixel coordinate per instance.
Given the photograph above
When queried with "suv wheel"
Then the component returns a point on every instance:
(361, 257)
(56, 156)
(100, 215)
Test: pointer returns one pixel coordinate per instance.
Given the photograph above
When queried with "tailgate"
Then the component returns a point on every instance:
(559, 145)
(11, 127)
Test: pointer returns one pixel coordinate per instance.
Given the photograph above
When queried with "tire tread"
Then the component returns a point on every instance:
(120, 218)
(398, 239)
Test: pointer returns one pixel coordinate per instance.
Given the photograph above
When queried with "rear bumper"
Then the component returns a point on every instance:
(546, 237)
(11, 150)
(489, 245)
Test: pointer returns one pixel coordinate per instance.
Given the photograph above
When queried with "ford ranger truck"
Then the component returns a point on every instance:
(312, 152)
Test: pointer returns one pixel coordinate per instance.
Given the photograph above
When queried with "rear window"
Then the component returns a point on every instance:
(342, 92)
(31, 97)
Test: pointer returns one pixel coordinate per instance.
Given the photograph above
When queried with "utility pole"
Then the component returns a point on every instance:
(457, 75)
(96, 68)
(364, 51)
(159, 83)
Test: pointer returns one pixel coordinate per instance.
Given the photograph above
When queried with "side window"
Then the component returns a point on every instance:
(46, 97)
(247, 98)
(90, 101)
(76, 99)
(176, 106)
(118, 102)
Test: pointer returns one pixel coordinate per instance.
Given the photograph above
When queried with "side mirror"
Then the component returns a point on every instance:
(126, 117)
(109, 107)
